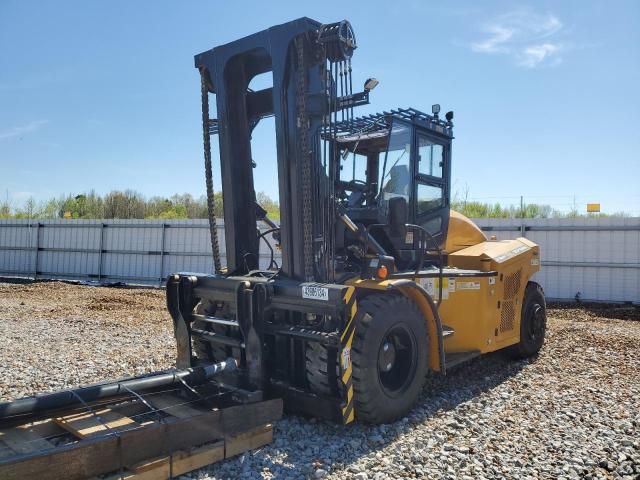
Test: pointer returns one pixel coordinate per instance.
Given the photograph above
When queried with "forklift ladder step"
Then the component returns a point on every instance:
(215, 320)
(301, 333)
(217, 338)
(453, 359)
(447, 331)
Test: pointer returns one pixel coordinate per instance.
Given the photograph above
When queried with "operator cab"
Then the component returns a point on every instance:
(395, 169)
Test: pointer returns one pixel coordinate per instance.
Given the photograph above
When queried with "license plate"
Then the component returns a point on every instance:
(315, 293)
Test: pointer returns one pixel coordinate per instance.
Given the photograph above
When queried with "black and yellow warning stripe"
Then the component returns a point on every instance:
(346, 370)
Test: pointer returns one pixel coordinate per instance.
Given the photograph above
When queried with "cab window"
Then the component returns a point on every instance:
(396, 172)
(430, 197)
(430, 157)
(353, 168)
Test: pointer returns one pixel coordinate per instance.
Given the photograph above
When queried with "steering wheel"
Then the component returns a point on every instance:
(356, 197)
(357, 182)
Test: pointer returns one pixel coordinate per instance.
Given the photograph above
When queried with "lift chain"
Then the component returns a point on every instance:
(303, 128)
(206, 138)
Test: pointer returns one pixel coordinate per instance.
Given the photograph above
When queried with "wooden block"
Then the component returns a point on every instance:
(24, 440)
(161, 473)
(249, 440)
(182, 462)
(173, 405)
(98, 455)
(85, 425)
(197, 458)
(157, 469)
(155, 464)
(241, 418)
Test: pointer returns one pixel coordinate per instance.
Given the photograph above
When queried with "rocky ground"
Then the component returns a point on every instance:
(573, 412)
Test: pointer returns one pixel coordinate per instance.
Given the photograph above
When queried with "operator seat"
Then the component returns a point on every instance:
(394, 236)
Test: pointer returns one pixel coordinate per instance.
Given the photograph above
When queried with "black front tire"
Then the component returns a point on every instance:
(389, 356)
(533, 322)
(318, 361)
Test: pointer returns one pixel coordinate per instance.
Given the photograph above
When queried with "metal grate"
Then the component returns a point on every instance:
(379, 121)
(507, 316)
(511, 289)
(512, 285)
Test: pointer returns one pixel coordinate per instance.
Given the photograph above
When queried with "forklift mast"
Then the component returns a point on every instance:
(302, 56)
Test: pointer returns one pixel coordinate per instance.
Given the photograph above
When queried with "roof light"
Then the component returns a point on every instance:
(435, 109)
(370, 84)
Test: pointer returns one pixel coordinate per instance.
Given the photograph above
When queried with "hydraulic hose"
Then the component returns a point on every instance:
(65, 398)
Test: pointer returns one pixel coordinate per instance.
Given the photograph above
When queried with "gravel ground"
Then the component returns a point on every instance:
(57, 335)
(573, 412)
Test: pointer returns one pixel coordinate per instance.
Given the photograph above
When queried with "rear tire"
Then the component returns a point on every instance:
(533, 322)
(389, 356)
(317, 365)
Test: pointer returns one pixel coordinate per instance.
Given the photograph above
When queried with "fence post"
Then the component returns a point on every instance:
(522, 226)
(162, 239)
(101, 247)
(35, 263)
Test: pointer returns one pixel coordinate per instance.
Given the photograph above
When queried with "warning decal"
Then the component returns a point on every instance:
(432, 286)
(511, 254)
(468, 285)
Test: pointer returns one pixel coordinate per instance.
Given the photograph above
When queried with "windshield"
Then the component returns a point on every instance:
(395, 175)
(353, 167)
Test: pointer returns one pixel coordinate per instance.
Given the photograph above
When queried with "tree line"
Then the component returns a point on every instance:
(125, 204)
(133, 205)
(475, 209)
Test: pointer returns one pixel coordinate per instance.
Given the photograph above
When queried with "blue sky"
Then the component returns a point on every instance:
(104, 95)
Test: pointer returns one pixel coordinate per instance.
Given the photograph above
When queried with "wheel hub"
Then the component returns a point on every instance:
(537, 321)
(387, 355)
(397, 360)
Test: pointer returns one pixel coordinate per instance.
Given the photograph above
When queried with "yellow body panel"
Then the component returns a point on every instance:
(462, 233)
(434, 356)
(483, 309)
(385, 285)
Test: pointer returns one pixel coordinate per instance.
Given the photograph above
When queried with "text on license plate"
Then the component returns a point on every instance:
(315, 293)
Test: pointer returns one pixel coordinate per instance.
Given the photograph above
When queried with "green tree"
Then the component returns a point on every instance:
(271, 206)
(127, 204)
(175, 212)
(5, 209)
(29, 209)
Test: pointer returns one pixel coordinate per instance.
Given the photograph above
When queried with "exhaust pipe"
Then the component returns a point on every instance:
(51, 401)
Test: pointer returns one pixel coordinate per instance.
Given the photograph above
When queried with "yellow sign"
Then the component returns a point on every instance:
(67, 214)
(593, 207)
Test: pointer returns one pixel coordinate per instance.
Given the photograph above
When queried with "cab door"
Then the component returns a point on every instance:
(432, 170)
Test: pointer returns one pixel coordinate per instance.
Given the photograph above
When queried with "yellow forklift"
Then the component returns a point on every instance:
(379, 282)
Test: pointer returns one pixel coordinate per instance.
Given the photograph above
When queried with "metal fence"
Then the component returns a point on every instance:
(105, 251)
(592, 258)
(596, 259)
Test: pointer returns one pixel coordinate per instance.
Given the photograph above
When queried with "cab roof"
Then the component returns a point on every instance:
(382, 121)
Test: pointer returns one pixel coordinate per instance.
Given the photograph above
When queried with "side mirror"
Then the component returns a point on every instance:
(398, 215)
